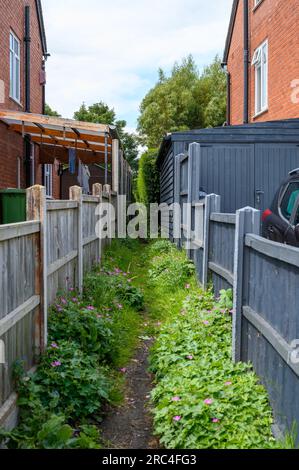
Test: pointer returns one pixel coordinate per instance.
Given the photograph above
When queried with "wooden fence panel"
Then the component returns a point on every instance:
(19, 300)
(91, 249)
(221, 250)
(62, 248)
(270, 323)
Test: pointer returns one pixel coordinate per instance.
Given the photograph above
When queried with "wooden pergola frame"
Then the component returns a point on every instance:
(95, 143)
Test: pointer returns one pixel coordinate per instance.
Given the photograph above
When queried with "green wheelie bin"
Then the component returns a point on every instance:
(12, 206)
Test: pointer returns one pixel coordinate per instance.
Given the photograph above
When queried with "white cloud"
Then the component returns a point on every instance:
(111, 51)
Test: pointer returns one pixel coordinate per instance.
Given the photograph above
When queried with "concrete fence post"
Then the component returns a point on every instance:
(212, 204)
(97, 191)
(247, 221)
(37, 210)
(76, 195)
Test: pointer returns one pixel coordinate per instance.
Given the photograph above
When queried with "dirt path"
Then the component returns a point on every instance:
(130, 426)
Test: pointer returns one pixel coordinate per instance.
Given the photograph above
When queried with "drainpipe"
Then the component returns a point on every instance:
(27, 144)
(228, 94)
(246, 62)
(44, 87)
(27, 41)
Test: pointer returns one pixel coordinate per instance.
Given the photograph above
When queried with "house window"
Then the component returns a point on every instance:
(260, 62)
(48, 180)
(15, 83)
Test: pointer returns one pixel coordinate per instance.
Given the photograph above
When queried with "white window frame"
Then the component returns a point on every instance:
(260, 61)
(257, 3)
(48, 180)
(15, 67)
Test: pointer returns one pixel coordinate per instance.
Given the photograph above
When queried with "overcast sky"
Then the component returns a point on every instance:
(111, 51)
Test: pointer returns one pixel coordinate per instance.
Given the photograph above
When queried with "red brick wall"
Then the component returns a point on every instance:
(277, 21)
(12, 17)
(235, 67)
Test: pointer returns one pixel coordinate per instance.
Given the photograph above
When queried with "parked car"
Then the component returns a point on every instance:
(281, 220)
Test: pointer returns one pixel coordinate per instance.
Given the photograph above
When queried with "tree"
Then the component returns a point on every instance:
(214, 80)
(50, 112)
(100, 113)
(184, 100)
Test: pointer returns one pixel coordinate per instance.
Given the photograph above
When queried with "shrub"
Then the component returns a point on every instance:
(113, 288)
(52, 432)
(172, 270)
(161, 247)
(82, 324)
(148, 180)
(67, 381)
(202, 399)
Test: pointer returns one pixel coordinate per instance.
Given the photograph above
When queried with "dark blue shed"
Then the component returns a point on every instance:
(243, 164)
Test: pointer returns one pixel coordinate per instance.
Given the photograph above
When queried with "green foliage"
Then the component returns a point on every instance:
(65, 378)
(50, 112)
(100, 113)
(51, 433)
(203, 400)
(184, 100)
(114, 290)
(89, 337)
(148, 180)
(171, 270)
(161, 247)
(88, 327)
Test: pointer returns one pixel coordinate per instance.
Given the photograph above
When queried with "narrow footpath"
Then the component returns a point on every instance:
(130, 425)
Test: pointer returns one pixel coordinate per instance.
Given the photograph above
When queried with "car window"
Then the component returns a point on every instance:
(289, 200)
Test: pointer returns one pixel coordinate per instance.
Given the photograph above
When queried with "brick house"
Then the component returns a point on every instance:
(262, 60)
(23, 53)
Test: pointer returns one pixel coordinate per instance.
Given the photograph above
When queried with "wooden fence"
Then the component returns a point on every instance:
(264, 277)
(38, 258)
(229, 252)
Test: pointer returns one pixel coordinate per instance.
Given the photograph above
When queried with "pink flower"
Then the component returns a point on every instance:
(215, 420)
(177, 418)
(228, 384)
(119, 306)
(176, 399)
(54, 346)
(208, 401)
(123, 370)
(190, 357)
(59, 308)
(99, 316)
(71, 289)
(206, 322)
(91, 308)
(187, 286)
(64, 301)
(75, 300)
(56, 364)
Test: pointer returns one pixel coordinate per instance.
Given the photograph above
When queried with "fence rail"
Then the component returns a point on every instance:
(38, 258)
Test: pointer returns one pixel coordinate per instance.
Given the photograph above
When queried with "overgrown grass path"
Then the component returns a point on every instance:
(130, 425)
(200, 399)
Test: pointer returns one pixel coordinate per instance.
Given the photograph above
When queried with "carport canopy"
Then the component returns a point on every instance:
(55, 136)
